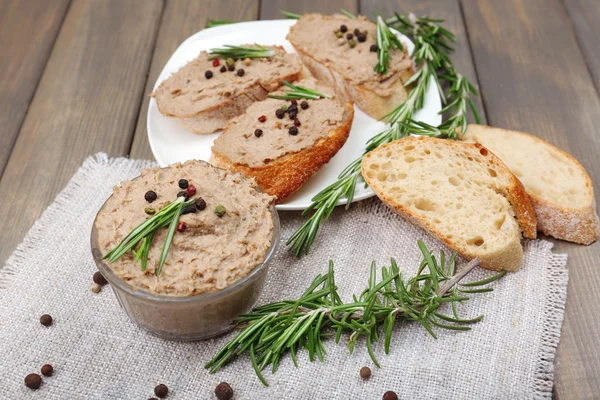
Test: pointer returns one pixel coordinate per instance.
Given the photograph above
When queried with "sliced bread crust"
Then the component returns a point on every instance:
(560, 188)
(461, 193)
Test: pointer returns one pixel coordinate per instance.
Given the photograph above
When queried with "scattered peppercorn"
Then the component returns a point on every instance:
(365, 372)
(191, 190)
(247, 62)
(33, 381)
(182, 226)
(338, 34)
(352, 43)
(284, 107)
(279, 113)
(189, 209)
(220, 211)
(389, 395)
(200, 204)
(343, 28)
(229, 61)
(223, 69)
(262, 118)
(349, 36)
(99, 278)
(294, 102)
(356, 31)
(161, 391)
(231, 67)
(223, 391)
(183, 183)
(96, 288)
(304, 105)
(293, 114)
(208, 74)
(150, 196)
(216, 62)
(258, 132)
(47, 370)
(183, 194)
(373, 48)
(46, 320)
(293, 108)
(293, 131)
(297, 122)
(240, 72)
(149, 210)
(361, 37)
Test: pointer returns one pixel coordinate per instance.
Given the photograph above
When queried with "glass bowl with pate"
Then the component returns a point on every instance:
(186, 248)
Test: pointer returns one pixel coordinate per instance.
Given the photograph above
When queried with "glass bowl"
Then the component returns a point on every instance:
(188, 318)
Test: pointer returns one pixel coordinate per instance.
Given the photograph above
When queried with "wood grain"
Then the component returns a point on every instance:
(534, 78)
(181, 19)
(271, 9)
(28, 31)
(585, 15)
(87, 101)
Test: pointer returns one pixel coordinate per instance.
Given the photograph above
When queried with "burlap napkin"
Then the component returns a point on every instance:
(98, 353)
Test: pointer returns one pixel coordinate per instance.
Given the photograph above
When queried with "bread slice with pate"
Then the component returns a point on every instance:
(559, 187)
(204, 96)
(459, 192)
(280, 152)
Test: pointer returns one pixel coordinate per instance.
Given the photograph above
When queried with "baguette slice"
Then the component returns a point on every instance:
(332, 60)
(280, 162)
(205, 105)
(461, 193)
(560, 189)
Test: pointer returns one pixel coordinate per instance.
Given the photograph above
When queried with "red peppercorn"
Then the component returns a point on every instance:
(191, 190)
(297, 122)
(294, 102)
(181, 227)
(262, 118)
(216, 62)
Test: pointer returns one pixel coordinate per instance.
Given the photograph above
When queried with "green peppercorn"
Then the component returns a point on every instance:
(220, 211)
(284, 107)
(229, 61)
(351, 43)
(338, 34)
(149, 210)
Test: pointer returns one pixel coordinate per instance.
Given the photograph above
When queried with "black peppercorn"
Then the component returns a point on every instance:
(200, 204)
(258, 132)
(183, 194)
(293, 108)
(349, 36)
(231, 67)
(365, 372)
(304, 105)
(46, 320)
(161, 391)
(208, 74)
(293, 131)
(279, 113)
(33, 381)
(293, 114)
(189, 209)
(99, 278)
(361, 37)
(240, 72)
(356, 31)
(373, 48)
(389, 395)
(223, 391)
(47, 370)
(223, 68)
(297, 122)
(183, 183)
(343, 28)
(150, 196)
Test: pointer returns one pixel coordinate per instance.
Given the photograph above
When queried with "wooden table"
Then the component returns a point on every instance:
(76, 75)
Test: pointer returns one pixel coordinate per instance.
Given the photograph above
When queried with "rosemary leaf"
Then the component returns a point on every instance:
(291, 15)
(169, 238)
(230, 51)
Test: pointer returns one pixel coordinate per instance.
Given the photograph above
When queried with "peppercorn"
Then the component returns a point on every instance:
(361, 37)
(46, 320)
(304, 105)
(262, 118)
(247, 62)
(161, 391)
(223, 391)
(365, 372)
(240, 72)
(229, 62)
(295, 103)
(338, 34)
(33, 381)
(47, 370)
(182, 226)
(189, 209)
(99, 278)
(183, 194)
(297, 122)
(356, 31)
(231, 67)
(293, 131)
(258, 132)
(191, 190)
(183, 183)
(351, 43)
(284, 107)
(343, 28)
(373, 48)
(96, 288)
(208, 74)
(349, 36)
(220, 211)
(293, 108)
(279, 113)
(293, 114)
(200, 204)
(149, 210)
(223, 69)
(150, 196)
(389, 395)
(216, 62)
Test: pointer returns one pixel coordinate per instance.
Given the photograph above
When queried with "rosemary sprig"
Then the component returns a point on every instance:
(299, 92)
(386, 42)
(217, 22)
(347, 13)
(291, 15)
(272, 330)
(230, 51)
(143, 235)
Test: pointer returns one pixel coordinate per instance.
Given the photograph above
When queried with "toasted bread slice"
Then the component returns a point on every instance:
(461, 193)
(352, 70)
(204, 105)
(281, 162)
(559, 187)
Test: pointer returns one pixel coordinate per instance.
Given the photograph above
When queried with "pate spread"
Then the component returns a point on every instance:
(213, 252)
(239, 143)
(314, 34)
(189, 92)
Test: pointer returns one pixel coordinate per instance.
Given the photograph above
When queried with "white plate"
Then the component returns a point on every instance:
(170, 142)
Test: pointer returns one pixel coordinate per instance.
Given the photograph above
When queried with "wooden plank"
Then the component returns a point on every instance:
(28, 31)
(534, 78)
(87, 101)
(450, 11)
(271, 9)
(181, 19)
(586, 17)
